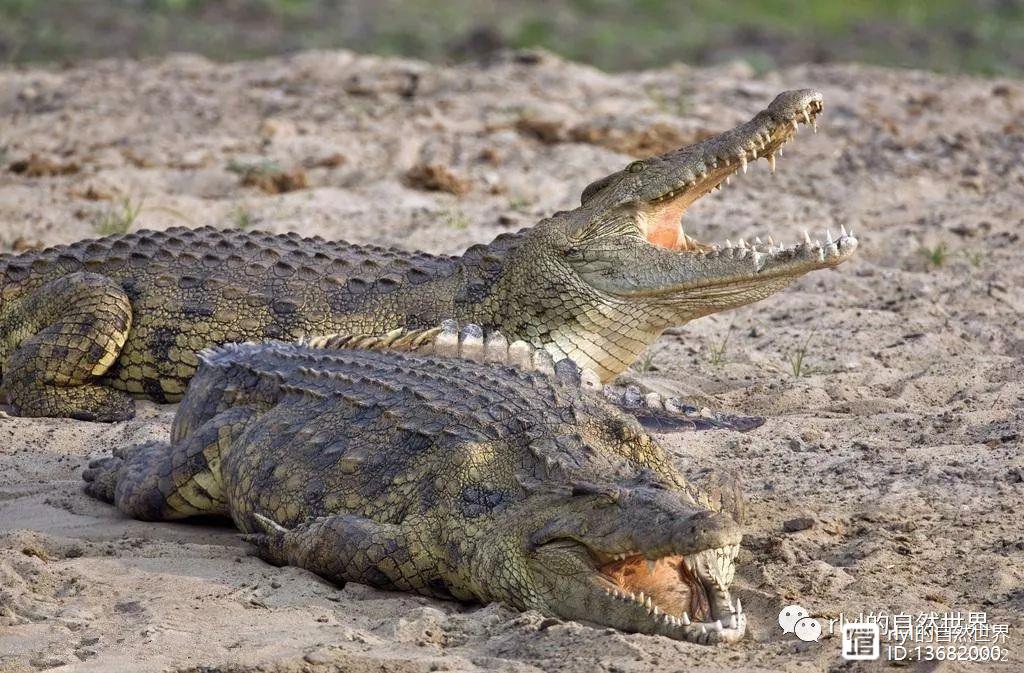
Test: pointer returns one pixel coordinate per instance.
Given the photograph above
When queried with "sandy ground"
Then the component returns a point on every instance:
(899, 443)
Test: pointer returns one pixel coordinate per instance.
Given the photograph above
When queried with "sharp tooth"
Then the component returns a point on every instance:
(814, 125)
(842, 230)
(648, 603)
(632, 596)
(728, 243)
(828, 236)
(727, 179)
(807, 237)
(734, 622)
(771, 243)
(717, 626)
(817, 243)
(654, 610)
(821, 255)
(742, 243)
(739, 606)
(685, 619)
(807, 117)
(743, 164)
(771, 163)
(796, 126)
(757, 241)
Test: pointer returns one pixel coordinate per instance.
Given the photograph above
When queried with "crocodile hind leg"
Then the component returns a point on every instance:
(59, 340)
(349, 548)
(157, 481)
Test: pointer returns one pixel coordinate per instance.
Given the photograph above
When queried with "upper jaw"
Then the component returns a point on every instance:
(688, 173)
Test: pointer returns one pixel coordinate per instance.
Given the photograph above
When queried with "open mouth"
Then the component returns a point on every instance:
(660, 218)
(685, 597)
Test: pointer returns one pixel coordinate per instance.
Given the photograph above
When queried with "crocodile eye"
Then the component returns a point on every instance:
(636, 166)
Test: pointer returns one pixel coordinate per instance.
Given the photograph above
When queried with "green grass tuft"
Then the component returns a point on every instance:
(118, 217)
(716, 352)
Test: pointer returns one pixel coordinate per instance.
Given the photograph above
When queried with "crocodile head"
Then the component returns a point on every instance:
(615, 537)
(633, 269)
(639, 559)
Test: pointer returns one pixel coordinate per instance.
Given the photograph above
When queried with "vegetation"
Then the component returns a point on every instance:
(936, 255)
(950, 35)
(644, 363)
(716, 351)
(798, 359)
(118, 217)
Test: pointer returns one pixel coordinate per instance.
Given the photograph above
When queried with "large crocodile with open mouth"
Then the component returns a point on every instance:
(85, 327)
(450, 477)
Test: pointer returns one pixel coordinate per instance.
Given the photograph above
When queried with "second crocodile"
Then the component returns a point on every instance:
(447, 477)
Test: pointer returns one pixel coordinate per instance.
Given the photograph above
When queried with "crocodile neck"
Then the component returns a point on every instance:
(510, 285)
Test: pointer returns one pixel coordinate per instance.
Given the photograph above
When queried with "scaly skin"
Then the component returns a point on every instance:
(447, 477)
(85, 327)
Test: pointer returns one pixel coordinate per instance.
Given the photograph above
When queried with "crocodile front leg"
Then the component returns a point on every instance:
(59, 340)
(349, 548)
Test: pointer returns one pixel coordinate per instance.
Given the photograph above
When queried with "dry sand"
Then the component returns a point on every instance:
(900, 441)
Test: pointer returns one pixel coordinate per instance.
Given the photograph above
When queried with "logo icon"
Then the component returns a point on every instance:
(807, 629)
(790, 615)
(796, 620)
(861, 641)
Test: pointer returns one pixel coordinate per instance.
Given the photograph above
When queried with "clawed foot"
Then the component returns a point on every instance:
(101, 478)
(660, 413)
(270, 543)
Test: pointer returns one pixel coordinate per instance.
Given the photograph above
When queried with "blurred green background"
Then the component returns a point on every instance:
(981, 37)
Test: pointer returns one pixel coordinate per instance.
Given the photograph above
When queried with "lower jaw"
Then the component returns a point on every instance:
(726, 623)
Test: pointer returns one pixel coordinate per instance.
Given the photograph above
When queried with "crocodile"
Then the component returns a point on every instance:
(86, 328)
(455, 478)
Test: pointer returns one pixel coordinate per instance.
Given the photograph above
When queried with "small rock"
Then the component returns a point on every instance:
(317, 657)
(548, 623)
(811, 436)
(193, 159)
(278, 128)
(435, 178)
(797, 524)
